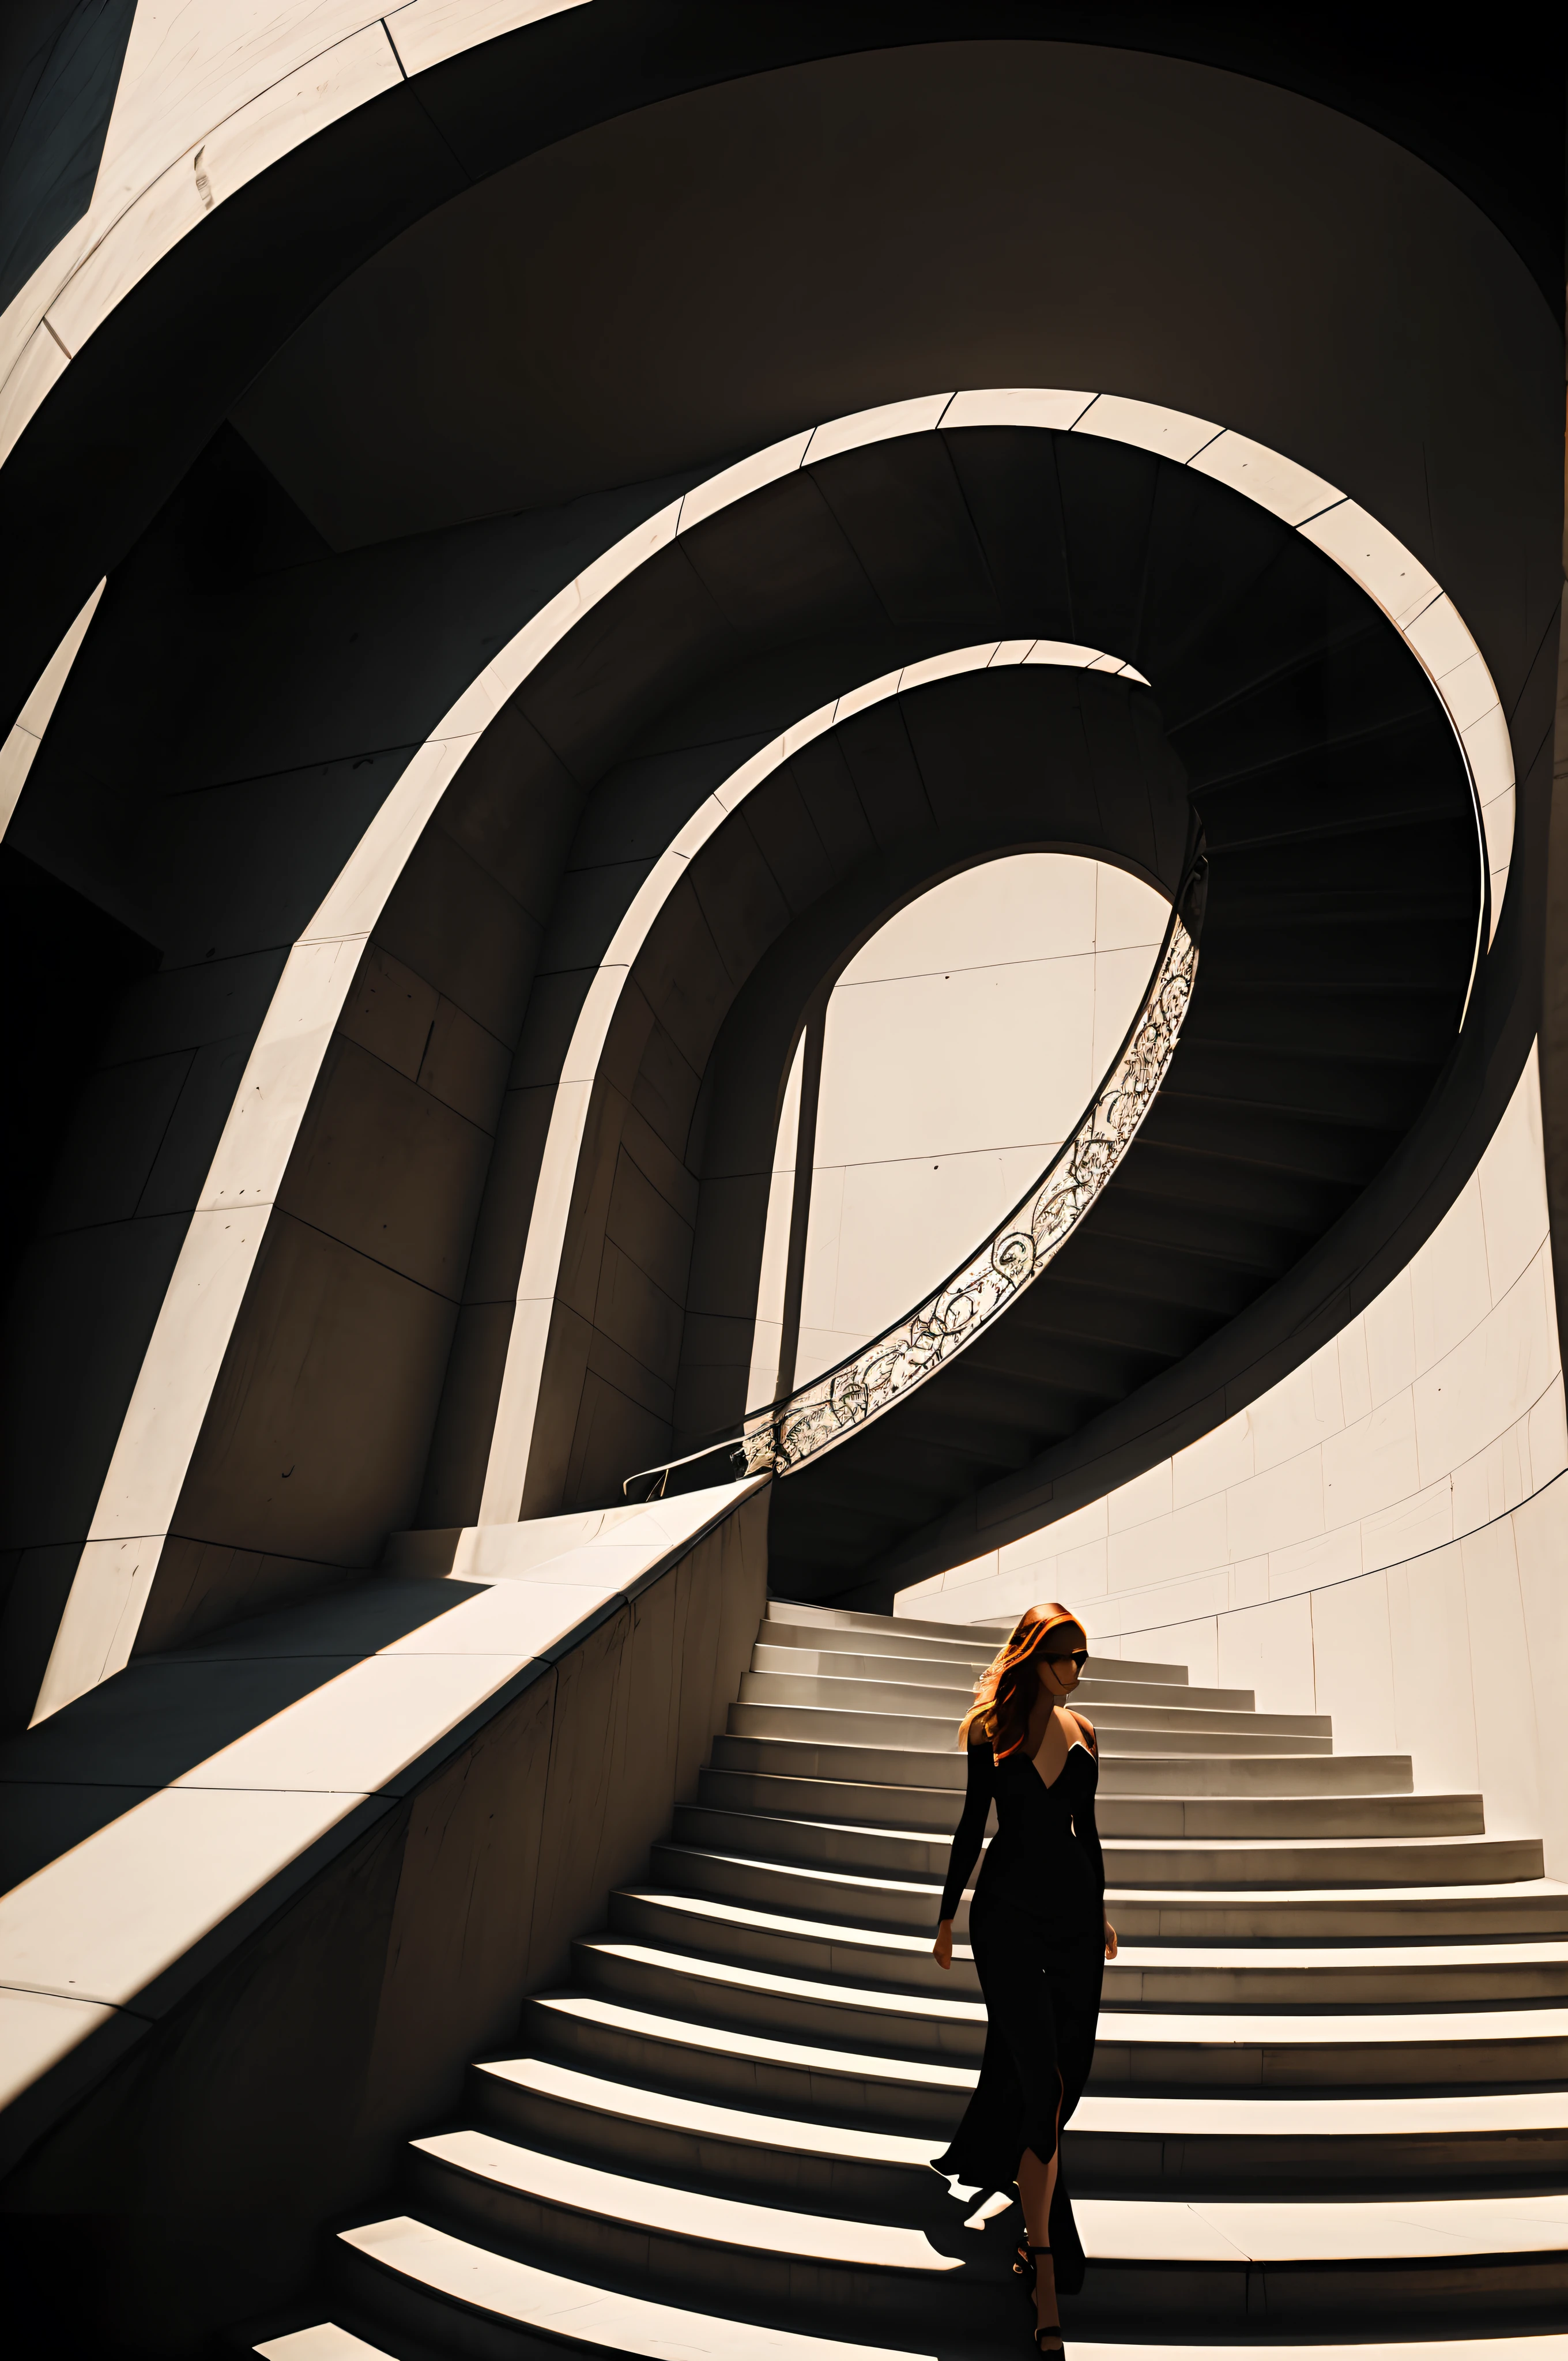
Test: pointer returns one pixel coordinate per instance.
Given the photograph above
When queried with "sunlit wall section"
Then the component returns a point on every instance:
(1382, 1536)
(962, 1045)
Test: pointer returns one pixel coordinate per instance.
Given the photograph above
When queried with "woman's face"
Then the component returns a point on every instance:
(1058, 1675)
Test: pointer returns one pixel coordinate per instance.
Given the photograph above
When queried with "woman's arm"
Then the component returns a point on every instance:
(968, 1837)
(1088, 1835)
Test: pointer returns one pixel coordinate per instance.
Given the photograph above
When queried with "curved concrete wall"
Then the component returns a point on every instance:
(961, 1046)
(1457, 1656)
(453, 876)
(1381, 1534)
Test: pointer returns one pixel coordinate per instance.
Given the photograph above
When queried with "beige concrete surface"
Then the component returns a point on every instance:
(316, 1924)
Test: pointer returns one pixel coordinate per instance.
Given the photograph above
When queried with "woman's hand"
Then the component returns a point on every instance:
(942, 1949)
(1110, 1940)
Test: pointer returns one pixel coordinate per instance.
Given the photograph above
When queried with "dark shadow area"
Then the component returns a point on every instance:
(60, 63)
(162, 1716)
(68, 962)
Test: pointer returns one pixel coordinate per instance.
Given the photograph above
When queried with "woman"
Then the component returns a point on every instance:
(1040, 1935)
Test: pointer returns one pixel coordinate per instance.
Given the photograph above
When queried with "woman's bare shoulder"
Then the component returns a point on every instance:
(1086, 1729)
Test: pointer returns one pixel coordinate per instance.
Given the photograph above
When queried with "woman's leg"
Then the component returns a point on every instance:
(1011, 1954)
(1036, 2187)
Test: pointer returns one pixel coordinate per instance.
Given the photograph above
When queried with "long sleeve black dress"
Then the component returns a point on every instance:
(1037, 1926)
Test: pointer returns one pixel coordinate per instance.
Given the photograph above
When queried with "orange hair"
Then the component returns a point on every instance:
(1004, 1690)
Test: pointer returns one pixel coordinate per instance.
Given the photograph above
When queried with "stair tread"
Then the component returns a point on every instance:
(578, 2312)
(900, 1733)
(1263, 2117)
(685, 2212)
(935, 2005)
(917, 1880)
(942, 1766)
(1187, 2229)
(1286, 2230)
(1210, 2029)
(704, 2116)
(670, 2092)
(924, 1672)
(1544, 2347)
(772, 2049)
(1156, 2030)
(922, 1701)
(888, 1939)
(1183, 1848)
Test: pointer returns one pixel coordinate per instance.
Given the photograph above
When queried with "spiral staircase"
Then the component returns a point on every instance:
(1329, 2105)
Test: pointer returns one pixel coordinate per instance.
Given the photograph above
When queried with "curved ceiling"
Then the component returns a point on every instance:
(1243, 240)
(889, 220)
(1345, 838)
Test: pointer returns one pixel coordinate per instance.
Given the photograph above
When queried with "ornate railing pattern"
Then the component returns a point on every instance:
(1014, 1254)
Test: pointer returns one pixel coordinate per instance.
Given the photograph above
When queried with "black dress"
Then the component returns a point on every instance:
(1036, 1926)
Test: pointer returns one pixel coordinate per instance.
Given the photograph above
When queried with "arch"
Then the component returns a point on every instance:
(507, 1483)
(1104, 780)
(197, 1320)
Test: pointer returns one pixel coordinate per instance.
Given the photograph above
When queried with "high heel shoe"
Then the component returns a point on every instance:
(1047, 2341)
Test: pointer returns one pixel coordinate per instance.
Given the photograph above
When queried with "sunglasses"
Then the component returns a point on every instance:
(1080, 1657)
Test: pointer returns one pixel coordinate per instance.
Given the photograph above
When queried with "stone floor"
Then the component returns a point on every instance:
(1329, 2105)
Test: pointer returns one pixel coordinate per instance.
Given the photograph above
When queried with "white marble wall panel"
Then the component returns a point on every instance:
(1434, 1412)
(767, 1339)
(1269, 1651)
(962, 1045)
(1353, 1664)
(1457, 1656)
(1539, 1528)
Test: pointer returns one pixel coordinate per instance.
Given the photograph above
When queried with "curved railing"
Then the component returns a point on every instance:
(1011, 1260)
(809, 1420)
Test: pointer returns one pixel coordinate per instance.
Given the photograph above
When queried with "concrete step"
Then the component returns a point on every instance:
(1442, 2259)
(1179, 1975)
(902, 1818)
(831, 1627)
(905, 1698)
(1323, 2145)
(1534, 1908)
(456, 2297)
(908, 1647)
(641, 2328)
(945, 1674)
(1397, 2047)
(704, 2243)
(1330, 2087)
(1254, 1733)
(949, 2028)
(1139, 2144)
(921, 2096)
(1213, 1864)
(1524, 1911)
(624, 2125)
(924, 2098)
(880, 1768)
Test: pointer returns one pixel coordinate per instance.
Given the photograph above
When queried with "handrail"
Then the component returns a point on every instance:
(858, 1388)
